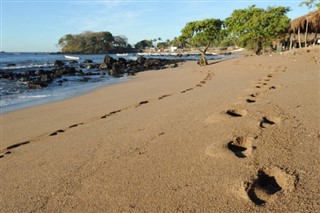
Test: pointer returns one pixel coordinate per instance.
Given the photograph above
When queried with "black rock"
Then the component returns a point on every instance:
(10, 65)
(58, 63)
(84, 79)
(37, 85)
(87, 61)
(141, 59)
(73, 62)
(103, 66)
(108, 60)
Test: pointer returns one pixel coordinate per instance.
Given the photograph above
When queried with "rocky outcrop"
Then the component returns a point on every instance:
(35, 79)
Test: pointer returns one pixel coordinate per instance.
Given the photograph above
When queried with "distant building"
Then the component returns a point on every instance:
(172, 48)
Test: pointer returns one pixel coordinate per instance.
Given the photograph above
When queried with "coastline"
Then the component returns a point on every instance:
(159, 142)
(21, 87)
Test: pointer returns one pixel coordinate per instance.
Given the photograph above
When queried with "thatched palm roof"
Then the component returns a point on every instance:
(313, 20)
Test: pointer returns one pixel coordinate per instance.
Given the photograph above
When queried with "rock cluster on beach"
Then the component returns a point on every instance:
(111, 66)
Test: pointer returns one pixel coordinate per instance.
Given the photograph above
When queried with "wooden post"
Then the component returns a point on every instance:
(299, 38)
(306, 34)
(290, 44)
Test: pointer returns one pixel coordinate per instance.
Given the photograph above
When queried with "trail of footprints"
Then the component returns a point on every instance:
(8, 150)
(270, 180)
(200, 84)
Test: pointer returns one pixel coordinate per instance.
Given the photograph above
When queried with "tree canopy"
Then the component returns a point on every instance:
(201, 33)
(143, 44)
(92, 42)
(311, 3)
(256, 28)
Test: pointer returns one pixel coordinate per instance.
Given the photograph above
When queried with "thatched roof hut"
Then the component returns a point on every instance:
(307, 24)
(311, 19)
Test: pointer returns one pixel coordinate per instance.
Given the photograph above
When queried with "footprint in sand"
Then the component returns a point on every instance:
(269, 121)
(18, 144)
(164, 96)
(272, 87)
(110, 113)
(241, 146)
(216, 118)
(268, 183)
(57, 132)
(236, 112)
(75, 125)
(250, 101)
(184, 91)
(142, 103)
(13, 147)
(254, 95)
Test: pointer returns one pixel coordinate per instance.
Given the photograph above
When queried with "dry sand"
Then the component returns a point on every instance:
(237, 136)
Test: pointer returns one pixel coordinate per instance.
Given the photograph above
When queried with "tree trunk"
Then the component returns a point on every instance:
(306, 35)
(258, 48)
(299, 37)
(202, 60)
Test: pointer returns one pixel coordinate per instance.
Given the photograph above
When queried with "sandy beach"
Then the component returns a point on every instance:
(241, 135)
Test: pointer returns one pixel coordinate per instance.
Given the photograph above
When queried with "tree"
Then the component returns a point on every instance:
(201, 34)
(176, 42)
(120, 41)
(93, 42)
(311, 3)
(163, 45)
(256, 28)
(143, 44)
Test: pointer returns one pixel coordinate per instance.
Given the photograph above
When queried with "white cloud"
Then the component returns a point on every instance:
(110, 16)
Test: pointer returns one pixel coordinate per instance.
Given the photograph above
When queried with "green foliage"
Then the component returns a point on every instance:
(201, 33)
(92, 42)
(311, 4)
(143, 44)
(256, 28)
(120, 41)
(163, 45)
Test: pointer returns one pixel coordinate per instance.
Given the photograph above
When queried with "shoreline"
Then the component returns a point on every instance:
(189, 138)
(84, 89)
(70, 93)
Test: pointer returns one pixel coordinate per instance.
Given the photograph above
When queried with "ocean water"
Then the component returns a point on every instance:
(16, 95)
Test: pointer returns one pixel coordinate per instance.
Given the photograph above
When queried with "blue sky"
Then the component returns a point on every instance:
(37, 25)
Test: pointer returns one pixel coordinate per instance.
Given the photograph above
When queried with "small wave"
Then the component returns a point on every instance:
(33, 96)
(28, 66)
